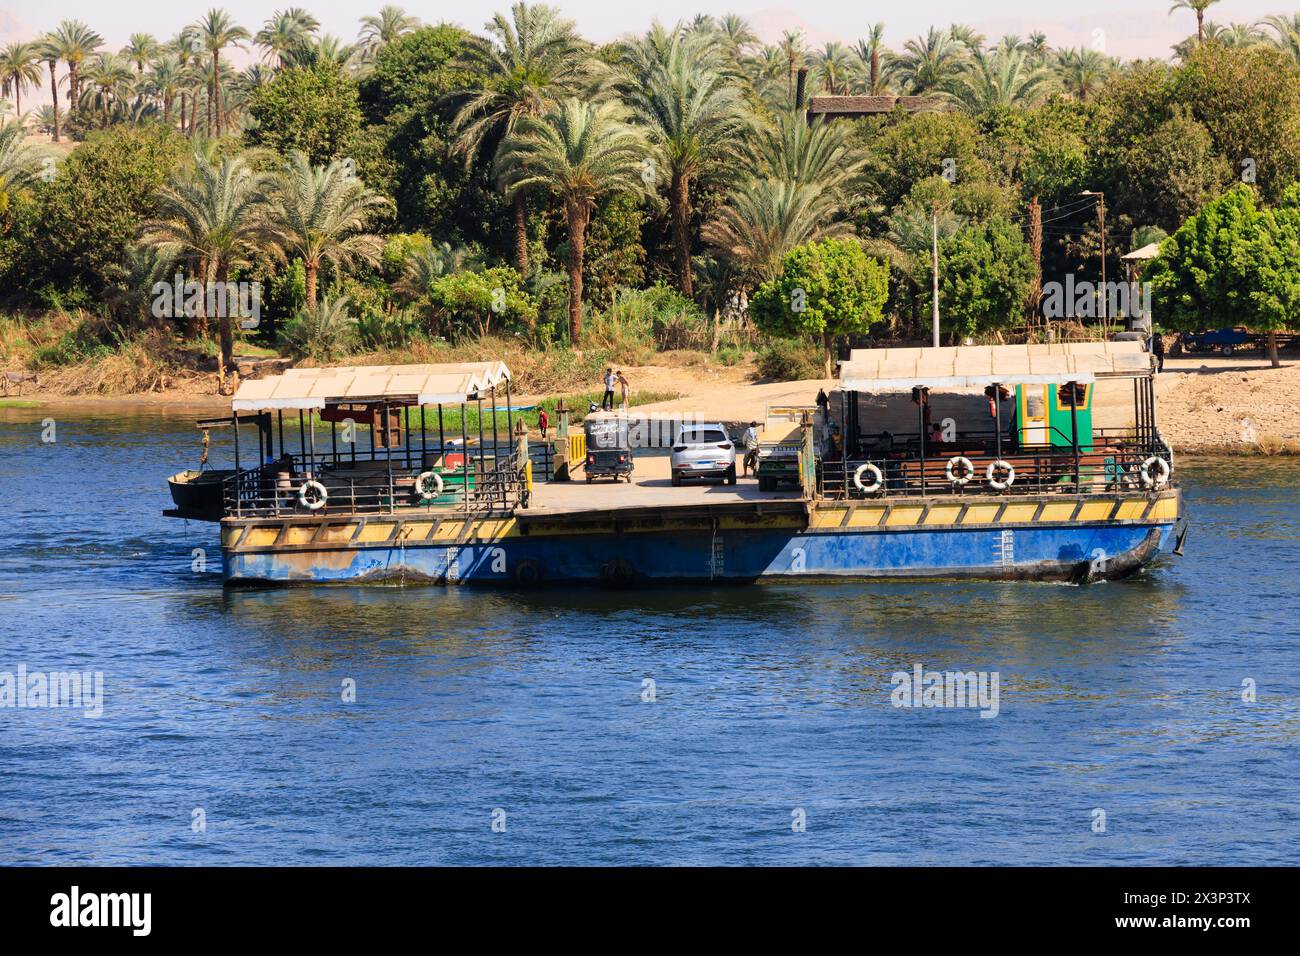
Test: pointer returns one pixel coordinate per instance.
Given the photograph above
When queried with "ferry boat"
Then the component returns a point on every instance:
(986, 462)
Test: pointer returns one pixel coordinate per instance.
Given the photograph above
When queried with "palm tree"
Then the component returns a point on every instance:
(869, 51)
(329, 50)
(1198, 7)
(967, 36)
(793, 48)
(1001, 78)
(1081, 70)
(75, 43)
(186, 47)
(20, 67)
(928, 63)
(578, 151)
(285, 31)
(833, 67)
(738, 36)
(427, 264)
(19, 164)
(140, 50)
(759, 224)
(694, 115)
(50, 51)
(165, 82)
(379, 31)
(1286, 33)
(212, 214)
(110, 80)
(820, 154)
(216, 31)
(1234, 34)
(527, 63)
(321, 213)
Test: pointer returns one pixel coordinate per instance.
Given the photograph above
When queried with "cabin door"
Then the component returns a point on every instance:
(1031, 414)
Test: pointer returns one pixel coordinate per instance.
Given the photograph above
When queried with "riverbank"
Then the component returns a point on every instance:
(1207, 405)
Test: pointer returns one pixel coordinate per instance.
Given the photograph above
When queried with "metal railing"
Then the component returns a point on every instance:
(488, 479)
(1113, 462)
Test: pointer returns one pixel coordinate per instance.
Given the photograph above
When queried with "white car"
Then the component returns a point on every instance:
(703, 451)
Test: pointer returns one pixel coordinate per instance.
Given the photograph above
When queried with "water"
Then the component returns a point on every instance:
(1123, 697)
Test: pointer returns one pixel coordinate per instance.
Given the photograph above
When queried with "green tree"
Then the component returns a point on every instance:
(985, 271)
(694, 114)
(216, 31)
(114, 173)
(578, 151)
(212, 215)
(1198, 7)
(1277, 255)
(492, 300)
(320, 215)
(826, 289)
(20, 67)
(1232, 263)
(522, 68)
(313, 109)
(391, 23)
(284, 32)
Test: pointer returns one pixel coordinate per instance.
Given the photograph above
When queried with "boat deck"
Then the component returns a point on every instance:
(651, 487)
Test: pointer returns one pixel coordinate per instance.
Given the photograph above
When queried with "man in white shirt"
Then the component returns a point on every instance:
(608, 400)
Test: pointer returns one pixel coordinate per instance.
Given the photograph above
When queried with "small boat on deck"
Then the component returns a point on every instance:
(198, 494)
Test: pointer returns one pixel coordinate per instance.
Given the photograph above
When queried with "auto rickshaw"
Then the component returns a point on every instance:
(609, 455)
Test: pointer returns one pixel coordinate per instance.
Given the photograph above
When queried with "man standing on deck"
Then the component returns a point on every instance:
(622, 387)
(608, 400)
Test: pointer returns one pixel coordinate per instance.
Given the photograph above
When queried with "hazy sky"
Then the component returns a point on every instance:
(1136, 28)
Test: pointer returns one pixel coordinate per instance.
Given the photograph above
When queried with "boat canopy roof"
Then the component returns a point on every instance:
(435, 384)
(977, 366)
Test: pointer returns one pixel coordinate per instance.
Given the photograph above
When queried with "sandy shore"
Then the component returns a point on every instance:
(1206, 404)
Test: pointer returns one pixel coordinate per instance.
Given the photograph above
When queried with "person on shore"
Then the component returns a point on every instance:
(1158, 350)
(750, 442)
(608, 400)
(543, 423)
(622, 386)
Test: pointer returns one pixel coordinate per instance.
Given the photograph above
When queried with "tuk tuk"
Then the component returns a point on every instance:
(609, 455)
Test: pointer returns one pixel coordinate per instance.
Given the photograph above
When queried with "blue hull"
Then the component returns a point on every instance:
(1062, 552)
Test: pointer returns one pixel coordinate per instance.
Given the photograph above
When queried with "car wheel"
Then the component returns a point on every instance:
(731, 475)
(1226, 351)
(677, 479)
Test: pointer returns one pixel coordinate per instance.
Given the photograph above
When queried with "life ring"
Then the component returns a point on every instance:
(312, 495)
(421, 482)
(877, 476)
(1158, 480)
(967, 466)
(528, 573)
(1000, 484)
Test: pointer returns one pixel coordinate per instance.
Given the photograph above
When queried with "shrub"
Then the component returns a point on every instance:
(325, 335)
(790, 360)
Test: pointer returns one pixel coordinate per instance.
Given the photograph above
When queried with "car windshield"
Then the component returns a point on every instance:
(702, 436)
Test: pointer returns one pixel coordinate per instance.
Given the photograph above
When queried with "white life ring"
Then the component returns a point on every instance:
(996, 483)
(968, 470)
(1158, 480)
(877, 478)
(312, 495)
(421, 482)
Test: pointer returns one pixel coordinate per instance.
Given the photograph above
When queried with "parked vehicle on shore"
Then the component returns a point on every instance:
(703, 451)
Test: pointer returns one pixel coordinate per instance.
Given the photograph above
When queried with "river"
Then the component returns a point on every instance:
(738, 725)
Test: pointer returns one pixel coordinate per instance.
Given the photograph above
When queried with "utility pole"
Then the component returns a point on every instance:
(1101, 222)
(934, 248)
